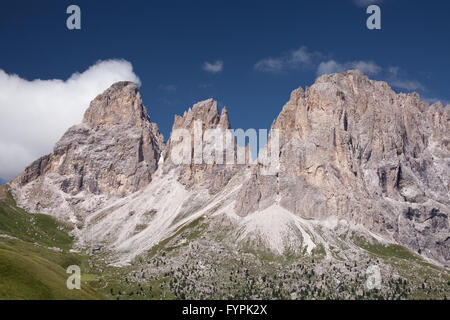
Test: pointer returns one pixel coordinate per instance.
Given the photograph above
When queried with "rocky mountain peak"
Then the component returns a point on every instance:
(113, 152)
(354, 75)
(215, 175)
(205, 111)
(352, 148)
(224, 121)
(119, 104)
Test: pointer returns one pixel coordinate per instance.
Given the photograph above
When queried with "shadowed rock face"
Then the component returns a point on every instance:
(114, 151)
(354, 149)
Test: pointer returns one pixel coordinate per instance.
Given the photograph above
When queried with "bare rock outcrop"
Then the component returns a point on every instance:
(196, 169)
(352, 148)
(113, 152)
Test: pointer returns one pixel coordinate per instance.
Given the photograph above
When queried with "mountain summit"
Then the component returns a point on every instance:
(354, 151)
(113, 152)
(119, 105)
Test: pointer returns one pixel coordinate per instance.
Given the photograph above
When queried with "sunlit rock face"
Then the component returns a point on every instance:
(113, 152)
(206, 117)
(352, 148)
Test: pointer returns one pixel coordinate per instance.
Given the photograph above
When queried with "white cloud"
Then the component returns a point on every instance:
(269, 65)
(366, 3)
(367, 67)
(391, 74)
(432, 100)
(393, 71)
(328, 67)
(304, 58)
(396, 78)
(167, 88)
(331, 66)
(301, 57)
(35, 114)
(410, 85)
(213, 67)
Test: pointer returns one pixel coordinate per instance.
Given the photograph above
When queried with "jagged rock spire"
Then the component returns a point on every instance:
(224, 121)
(213, 175)
(205, 111)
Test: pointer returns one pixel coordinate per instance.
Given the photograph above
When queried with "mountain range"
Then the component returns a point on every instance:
(362, 180)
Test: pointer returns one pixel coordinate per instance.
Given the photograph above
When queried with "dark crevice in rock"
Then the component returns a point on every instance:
(345, 121)
(399, 177)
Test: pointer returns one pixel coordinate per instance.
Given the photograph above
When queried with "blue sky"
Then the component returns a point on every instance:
(258, 51)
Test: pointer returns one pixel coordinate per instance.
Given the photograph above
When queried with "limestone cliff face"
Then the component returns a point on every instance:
(214, 175)
(114, 151)
(352, 148)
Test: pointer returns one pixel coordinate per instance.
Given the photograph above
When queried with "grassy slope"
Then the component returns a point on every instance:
(29, 269)
(412, 267)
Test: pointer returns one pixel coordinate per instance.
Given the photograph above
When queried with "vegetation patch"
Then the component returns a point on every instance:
(34, 256)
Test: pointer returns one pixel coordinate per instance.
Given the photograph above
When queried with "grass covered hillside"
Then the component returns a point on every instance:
(34, 255)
